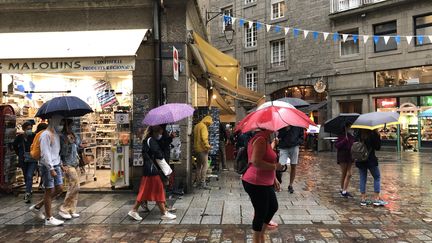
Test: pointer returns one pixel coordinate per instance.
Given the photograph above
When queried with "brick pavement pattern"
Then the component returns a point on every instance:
(314, 213)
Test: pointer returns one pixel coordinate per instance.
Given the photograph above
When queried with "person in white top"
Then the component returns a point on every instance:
(50, 169)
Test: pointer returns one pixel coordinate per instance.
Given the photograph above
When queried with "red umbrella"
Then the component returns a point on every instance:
(274, 118)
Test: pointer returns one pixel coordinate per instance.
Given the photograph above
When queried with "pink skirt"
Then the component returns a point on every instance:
(151, 189)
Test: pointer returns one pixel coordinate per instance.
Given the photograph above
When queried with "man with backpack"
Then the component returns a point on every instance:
(50, 169)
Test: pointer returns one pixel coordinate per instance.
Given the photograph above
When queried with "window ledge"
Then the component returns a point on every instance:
(249, 5)
(278, 20)
(385, 53)
(426, 47)
(250, 49)
(273, 68)
(348, 58)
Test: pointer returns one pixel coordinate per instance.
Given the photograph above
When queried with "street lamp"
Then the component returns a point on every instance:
(228, 27)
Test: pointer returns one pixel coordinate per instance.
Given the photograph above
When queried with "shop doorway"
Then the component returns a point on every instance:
(104, 134)
(352, 106)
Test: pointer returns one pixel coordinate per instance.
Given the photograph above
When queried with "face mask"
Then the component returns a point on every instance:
(28, 132)
(159, 137)
(59, 128)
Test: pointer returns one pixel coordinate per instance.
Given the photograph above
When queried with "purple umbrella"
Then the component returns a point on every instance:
(168, 113)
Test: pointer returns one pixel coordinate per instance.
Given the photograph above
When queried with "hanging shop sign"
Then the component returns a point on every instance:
(387, 103)
(68, 65)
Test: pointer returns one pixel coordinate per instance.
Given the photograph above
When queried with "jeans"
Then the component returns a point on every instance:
(48, 180)
(375, 174)
(28, 171)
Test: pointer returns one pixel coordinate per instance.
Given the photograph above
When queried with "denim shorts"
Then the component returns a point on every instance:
(48, 180)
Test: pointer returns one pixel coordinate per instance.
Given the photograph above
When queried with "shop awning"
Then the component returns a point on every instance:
(222, 69)
(314, 107)
(67, 44)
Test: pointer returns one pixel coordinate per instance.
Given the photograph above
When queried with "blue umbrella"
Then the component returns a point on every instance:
(66, 106)
(426, 113)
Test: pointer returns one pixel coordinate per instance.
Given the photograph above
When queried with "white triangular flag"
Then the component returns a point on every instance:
(268, 27)
(365, 38)
(344, 37)
(430, 38)
(305, 33)
(326, 34)
(233, 19)
(409, 39)
(286, 30)
(386, 39)
(250, 24)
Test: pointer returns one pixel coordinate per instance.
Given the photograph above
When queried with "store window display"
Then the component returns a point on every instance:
(108, 93)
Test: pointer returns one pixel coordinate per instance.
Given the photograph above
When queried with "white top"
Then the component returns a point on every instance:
(50, 149)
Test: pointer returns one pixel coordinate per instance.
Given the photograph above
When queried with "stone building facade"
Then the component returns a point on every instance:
(153, 73)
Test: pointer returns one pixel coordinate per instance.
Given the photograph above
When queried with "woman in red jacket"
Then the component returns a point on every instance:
(344, 159)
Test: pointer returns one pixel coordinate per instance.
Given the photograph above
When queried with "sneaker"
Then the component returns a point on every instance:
(204, 186)
(135, 215)
(53, 222)
(291, 189)
(27, 197)
(37, 212)
(272, 224)
(171, 209)
(346, 195)
(168, 216)
(363, 203)
(75, 215)
(379, 202)
(145, 208)
(64, 215)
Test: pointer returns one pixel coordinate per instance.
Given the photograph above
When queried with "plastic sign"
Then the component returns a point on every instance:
(175, 64)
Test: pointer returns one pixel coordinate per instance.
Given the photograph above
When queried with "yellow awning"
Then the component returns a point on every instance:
(222, 69)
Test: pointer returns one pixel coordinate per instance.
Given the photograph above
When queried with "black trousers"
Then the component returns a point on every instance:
(264, 202)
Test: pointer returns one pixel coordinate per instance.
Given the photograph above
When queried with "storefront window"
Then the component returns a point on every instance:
(426, 100)
(401, 77)
(386, 103)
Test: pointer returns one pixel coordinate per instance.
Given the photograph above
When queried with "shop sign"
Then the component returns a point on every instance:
(175, 63)
(387, 103)
(68, 65)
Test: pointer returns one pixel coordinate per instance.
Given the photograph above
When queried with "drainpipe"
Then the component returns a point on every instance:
(157, 52)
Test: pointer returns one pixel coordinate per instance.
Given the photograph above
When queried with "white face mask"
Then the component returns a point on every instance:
(59, 128)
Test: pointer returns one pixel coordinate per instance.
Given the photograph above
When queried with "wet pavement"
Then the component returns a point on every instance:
(314, 213)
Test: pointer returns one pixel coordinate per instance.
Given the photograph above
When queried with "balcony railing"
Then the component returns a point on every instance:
(344, 5)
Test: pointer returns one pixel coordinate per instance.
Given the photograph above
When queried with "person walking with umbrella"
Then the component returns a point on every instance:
(343, 145)
(52, 176)
(202, 148)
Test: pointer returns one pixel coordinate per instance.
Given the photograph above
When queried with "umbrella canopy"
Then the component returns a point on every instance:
(337, 125)
(277, 103)
(168, 113)
(66, 106)
(295, 101)
(426, 113)
(274, 118)
(376, 120)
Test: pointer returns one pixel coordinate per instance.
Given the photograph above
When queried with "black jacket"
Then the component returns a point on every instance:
(373, 143)
(151, 153)
(290, 137)
(21, 146)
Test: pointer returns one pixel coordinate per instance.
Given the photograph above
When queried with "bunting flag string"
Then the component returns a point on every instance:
(336, 36)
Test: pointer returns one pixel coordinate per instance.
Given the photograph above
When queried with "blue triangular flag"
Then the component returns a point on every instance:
(398, 39)
(336, 36)
(227, 19)
(420, 39)
(355, 38)
(376, 39)
(277, 28)
(296, 32)
(241, 22)
(258, 25)
(315, 35)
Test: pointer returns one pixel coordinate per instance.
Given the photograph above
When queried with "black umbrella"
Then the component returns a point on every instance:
(295, 101)
(337, 125)
(66, 106)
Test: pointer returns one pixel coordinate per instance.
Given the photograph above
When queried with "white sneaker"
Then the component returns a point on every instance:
(65, 215)
(135, 215)
(75, 215)
(37, 212)
(168, 216)
(53, 222)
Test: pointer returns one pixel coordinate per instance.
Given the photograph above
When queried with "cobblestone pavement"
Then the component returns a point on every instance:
(315, 212)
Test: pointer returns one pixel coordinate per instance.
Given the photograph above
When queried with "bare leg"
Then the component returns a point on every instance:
(256, 237)
(292, 174)
(47, 201)
(348, 175)
(136, 206)
(377, 195)
(343, 167)
(161, 206)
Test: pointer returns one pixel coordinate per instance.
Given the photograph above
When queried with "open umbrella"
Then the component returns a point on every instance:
(376, 120)
(66, 106)
(295, 101)
(168, 113)
(337, 125)
(426, 113)
(276, 103)
(274, 118)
